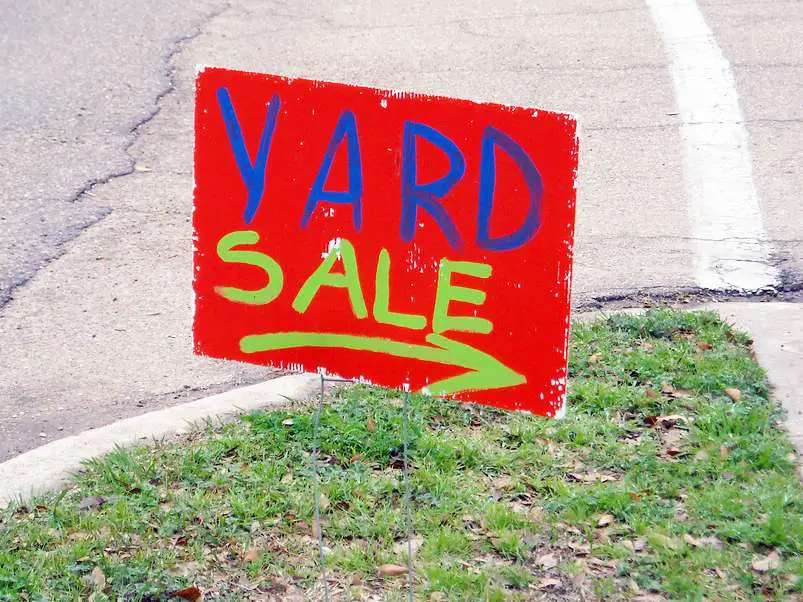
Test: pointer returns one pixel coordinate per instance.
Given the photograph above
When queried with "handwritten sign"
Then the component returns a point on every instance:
(407, 240)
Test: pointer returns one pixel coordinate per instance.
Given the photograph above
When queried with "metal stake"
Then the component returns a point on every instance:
(408, 500)
(317, 486)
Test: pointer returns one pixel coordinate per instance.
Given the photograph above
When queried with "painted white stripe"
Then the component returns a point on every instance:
(732, 247)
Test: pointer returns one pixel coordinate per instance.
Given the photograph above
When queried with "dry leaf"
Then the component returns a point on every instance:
(501, 482)
(548, 561)
(703, 346)
(651, 393)
(634, 496)
(681, 394)
(667, 389)
(639, 545)
(287, 422)
(251, 555)
(767, 563)
(91, 502)
(370, 425)
(98, 578)
(591, 477)
(324, 503)
(400, 547)
(192, 593)
(391, 570)
(734, 393)
(671, 420)
(580, 549)
(605, 520)
(547, 583)
(724, 451)
(711, 541)
(594, 358)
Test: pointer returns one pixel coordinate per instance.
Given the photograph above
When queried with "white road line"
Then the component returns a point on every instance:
(732, 247)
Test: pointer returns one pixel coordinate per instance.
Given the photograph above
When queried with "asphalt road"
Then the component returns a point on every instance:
(690, 160)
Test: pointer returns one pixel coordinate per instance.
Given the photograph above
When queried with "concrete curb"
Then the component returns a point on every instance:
(51, 466)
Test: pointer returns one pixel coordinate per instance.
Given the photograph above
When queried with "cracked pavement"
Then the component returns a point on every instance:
(96, 168)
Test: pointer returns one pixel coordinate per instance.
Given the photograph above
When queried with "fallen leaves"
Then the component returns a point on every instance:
(734, 393)
(91, 502)
(391, 570)
(98, 578)
(591, 477)
(767, 563)
(702, 542)
(547, 561)
(605, 520)
(192, 593)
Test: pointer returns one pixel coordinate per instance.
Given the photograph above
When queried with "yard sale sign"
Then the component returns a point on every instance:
(407, 240)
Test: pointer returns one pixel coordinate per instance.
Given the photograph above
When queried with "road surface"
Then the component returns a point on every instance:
(691, 122)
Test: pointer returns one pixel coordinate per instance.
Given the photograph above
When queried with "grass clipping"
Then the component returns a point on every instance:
(669, 478)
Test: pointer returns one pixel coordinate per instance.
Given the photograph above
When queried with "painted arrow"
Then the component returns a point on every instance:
(483, 370)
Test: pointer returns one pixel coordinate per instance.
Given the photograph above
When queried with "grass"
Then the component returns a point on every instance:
(657, 485)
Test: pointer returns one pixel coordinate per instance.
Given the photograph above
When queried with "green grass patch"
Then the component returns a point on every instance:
(669, 477)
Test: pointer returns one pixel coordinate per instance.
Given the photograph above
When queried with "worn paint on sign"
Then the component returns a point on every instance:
(406, 240)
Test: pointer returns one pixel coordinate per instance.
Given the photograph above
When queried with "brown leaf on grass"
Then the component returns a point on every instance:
(400, 548)
(671, 420)
(605, 520)
(594, 358)
(391, 570)
(724, 451)
(192, 593)
(591, 477)
(701, 542)
(634, 496)
(681, 394)
(734, 393)
(91, 502)
(652, 393)
(703, 346)
(98, 578)
(580, 549)
(667, 389)
(501, 482)
(548, 583)
(767, 563)
(251, 554)
(370, 425)
(548, 561)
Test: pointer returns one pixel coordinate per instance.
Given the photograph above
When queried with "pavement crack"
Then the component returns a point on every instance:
(176, 45)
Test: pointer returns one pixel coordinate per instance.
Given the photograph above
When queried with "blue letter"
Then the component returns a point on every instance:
(426, 196)
(253, 175)
(490, 139)
(346, 127)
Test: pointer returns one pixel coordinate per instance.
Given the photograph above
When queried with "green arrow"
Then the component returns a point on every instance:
(483, 370)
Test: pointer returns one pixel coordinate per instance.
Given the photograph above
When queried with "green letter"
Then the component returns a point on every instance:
(322, 276)
(225, 250)
(446, 292)
(382, 313)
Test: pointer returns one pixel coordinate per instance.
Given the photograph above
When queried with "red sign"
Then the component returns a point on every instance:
(407, 240)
